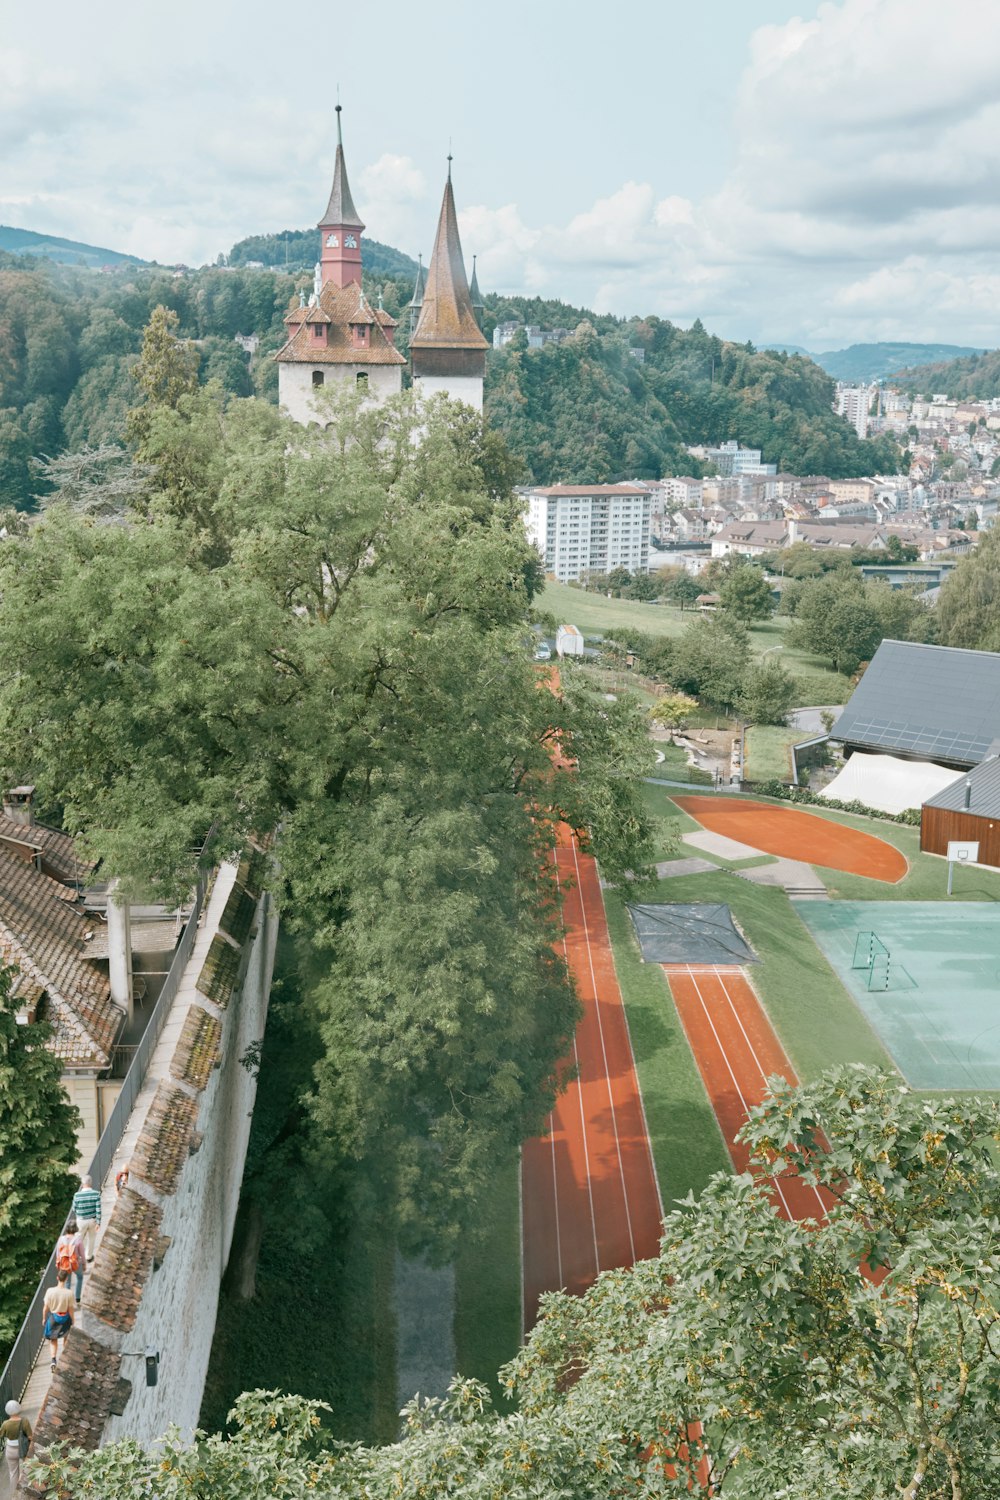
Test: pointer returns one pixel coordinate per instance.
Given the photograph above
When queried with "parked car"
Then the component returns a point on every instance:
(543, 651)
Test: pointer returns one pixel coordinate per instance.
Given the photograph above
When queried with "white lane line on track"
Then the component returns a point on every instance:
(555, 1197)
(760, 1069)
(579, 1095)
(729, 1069)
(604, 1054)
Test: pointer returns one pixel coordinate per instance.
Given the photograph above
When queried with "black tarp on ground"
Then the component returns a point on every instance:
(704, 933)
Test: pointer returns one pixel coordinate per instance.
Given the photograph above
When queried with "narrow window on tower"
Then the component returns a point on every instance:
(318, 377)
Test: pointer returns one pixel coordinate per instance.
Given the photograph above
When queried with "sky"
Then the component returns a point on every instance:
(812, 173)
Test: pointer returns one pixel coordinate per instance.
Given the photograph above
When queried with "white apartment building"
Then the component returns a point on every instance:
(589, 528)
(854, 402)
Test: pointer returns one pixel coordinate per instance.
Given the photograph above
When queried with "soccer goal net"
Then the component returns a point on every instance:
(883, 972)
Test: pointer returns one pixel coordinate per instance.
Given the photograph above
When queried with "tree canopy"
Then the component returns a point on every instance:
(855, 1356)
(324, 630)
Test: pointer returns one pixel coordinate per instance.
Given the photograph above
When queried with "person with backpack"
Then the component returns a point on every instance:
(58, 1311)
(71, 1257)
(16, 1434)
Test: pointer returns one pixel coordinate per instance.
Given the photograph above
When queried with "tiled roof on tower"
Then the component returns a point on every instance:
(447, 319)
(340, 210)
(339, 310)
(475, 295)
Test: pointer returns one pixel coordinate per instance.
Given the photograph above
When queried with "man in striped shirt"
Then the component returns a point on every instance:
(87, 1212)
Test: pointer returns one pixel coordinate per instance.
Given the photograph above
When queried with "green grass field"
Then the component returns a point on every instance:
(597, 615)
(488, 1286)
(767, 751)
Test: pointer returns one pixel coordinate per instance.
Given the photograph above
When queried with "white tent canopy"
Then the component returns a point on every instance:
(887, 783)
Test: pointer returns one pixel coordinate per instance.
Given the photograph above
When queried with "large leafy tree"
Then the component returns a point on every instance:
(969, 606)
(858, 1356)
(324, 629)
(37, 1152)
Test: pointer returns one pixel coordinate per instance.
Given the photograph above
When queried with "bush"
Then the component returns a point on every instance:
(910, 816)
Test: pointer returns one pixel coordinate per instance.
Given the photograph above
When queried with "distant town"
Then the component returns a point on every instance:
(743, 507)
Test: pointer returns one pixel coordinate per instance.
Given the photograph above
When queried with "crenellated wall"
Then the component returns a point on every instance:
(155, 1280)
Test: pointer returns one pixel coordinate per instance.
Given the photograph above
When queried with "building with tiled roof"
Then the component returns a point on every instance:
(336, 337)
(448, 350)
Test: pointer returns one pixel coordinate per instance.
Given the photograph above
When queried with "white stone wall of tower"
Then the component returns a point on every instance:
(297, 394)
(467, 388)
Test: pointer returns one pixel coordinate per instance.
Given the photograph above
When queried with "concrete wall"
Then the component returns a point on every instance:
(297, 394)
(180, 1299)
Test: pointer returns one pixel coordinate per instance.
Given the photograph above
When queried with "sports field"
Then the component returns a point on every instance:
(935, 999)
(793, 834)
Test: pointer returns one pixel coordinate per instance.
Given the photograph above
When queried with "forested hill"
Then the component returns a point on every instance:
(588, 410)
(583, 410)
(296, 250)
(978, 375)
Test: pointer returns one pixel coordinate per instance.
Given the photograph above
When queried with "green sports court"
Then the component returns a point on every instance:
(926, 974)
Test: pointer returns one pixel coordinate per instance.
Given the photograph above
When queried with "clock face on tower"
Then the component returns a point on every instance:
(333, 242)
(350, 243)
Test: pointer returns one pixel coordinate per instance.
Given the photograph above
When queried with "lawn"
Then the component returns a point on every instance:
(488, 1285)
(767, 747)
(598, 616)
(683, 1131)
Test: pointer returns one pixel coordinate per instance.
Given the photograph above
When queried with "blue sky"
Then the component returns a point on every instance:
(818, 173)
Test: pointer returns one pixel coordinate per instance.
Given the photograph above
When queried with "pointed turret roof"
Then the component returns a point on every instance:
(475, 295)
(340, 209)
(447, 320)
(417, 300)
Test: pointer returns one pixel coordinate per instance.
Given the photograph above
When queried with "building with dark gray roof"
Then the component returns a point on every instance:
(967, 811)
(921, 702)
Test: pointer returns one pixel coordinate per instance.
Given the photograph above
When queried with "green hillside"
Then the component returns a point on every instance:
(865, 362)
(64, 252)
(296, 250)
(587, 410)
(975, 375)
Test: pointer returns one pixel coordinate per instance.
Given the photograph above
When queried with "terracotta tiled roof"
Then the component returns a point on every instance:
(340, 209)
(59, 857)
(165, 1140)
(386, 319)
(197, 1048)
(79, 1399)
(45, 937)
(595, 491)
(308, 314)
(113, 1287)
(345, 306)
(217, 979)
(447, 320)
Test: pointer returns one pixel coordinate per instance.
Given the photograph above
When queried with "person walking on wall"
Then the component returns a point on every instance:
(70, 1256)
(16, 1433)
(87, 1212)
(58, 1312)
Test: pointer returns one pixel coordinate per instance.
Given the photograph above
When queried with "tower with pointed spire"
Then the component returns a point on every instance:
(476, 296)
(447, 350)
(337, 337)
(340, 227)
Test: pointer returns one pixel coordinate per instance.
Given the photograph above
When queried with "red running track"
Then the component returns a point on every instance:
(736, 1051)
(590, 1199)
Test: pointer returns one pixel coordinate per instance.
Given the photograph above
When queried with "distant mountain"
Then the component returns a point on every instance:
(864, 362)
(788, 349)
(65, 252)
(297, 249)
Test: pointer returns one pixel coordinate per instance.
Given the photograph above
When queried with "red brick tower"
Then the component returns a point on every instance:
(340, 228)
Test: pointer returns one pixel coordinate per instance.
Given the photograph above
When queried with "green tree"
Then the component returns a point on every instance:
(968, 611)
(167, 370)
(38, 1149)
(673, 710)
(344, 658)
(684, 589)
(746, 593)
(710, 659)
(854, 1356)
(767, 693)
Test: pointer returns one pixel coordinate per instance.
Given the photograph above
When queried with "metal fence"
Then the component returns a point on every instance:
(17, 1371)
